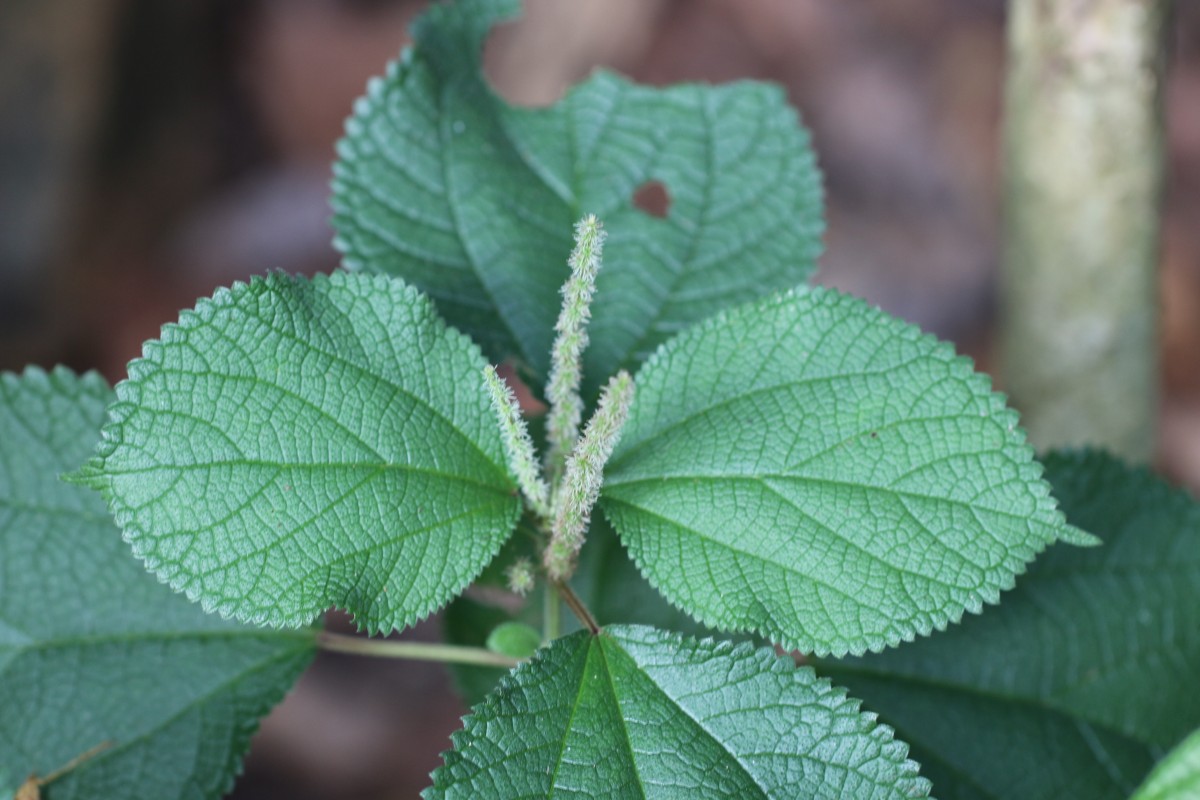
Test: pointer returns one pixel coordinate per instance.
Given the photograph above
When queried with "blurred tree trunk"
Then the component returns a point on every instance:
(1083, 141)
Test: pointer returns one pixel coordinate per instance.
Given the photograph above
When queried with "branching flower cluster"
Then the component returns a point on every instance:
(563, 504)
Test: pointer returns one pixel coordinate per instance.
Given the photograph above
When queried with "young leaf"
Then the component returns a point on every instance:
(813, 470)
(635, 712)
(441, 182)
(1177, 777)
(93, 650)
(515, 639)
(1082, 676)
(294, 444)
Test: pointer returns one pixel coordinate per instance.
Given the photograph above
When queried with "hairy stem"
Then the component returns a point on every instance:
(416, 651)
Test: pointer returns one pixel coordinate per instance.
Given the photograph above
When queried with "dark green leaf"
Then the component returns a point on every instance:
(1074, 685)
(636, 712)
(441, 182)
(294, 444)
(92, 649)
(813, 470)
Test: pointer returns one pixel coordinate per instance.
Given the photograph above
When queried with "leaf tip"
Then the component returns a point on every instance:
(90, 475)
(1078, 537)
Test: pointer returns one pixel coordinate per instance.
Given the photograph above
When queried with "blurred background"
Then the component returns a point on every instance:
(151, 151)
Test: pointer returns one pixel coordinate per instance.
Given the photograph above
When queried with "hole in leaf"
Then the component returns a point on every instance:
(652, 197)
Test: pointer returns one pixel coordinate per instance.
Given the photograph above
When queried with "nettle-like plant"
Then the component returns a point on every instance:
(787, 466)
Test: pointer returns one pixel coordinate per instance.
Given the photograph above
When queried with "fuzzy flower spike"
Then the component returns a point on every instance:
(562, 390)
(519, 447)
(584, 475)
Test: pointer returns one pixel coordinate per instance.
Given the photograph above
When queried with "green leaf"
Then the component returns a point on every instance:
(294, 444)
(1177, 777)
(813, 470)
(441, 182)
(514, 639)
(610, 585)
(636, 712)
(1080, 679)
(92, 648)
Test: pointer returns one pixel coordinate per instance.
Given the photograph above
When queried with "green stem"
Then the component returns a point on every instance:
(416, 651)
(552, 615)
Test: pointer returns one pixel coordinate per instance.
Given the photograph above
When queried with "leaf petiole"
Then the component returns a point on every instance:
(415, 651)
(576, 605)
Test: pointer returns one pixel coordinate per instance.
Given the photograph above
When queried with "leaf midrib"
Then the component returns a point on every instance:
(616, 700)
(258, 667)
(811, 479)
(443, 127)
(781, 565)
(149, 637)
(693, 415)
(285, 466)
(562, 748)
(682, 710)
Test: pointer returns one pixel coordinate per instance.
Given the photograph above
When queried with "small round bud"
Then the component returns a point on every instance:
(520, 577)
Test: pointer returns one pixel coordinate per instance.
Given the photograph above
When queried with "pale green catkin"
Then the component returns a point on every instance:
(584, 475)
(517, 444)
(562, 391)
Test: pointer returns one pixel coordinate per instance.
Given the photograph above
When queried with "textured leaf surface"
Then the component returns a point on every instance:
(293, 444)
(92, 648)
(636, 712)
(1086, 671)
(439, 181)
(815, 471)
(1177, 777)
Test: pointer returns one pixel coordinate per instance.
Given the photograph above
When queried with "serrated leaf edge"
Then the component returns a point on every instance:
(895, 749)
(41, 380)
(92, 476)
(1016, 561)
